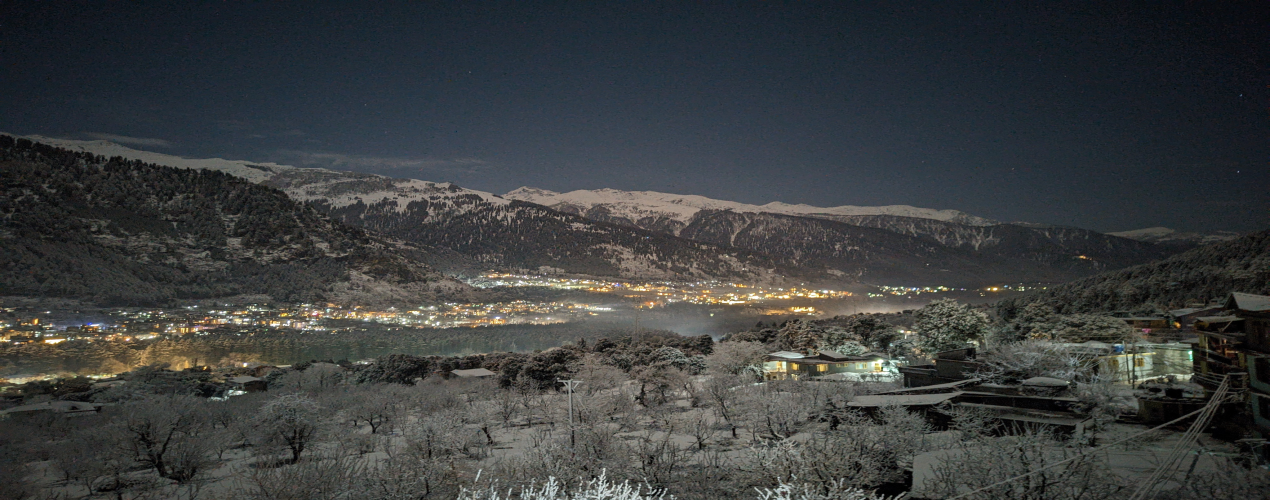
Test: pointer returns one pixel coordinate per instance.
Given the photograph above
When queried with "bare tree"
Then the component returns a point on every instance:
(699, 425)
(376, 406)
(163, 433)
(985, 462)
(722, 393)
(290, 420)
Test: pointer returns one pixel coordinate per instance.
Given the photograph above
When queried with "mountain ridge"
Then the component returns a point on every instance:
(666, 236)
(115, 231)
(1199, 275)
(634, 205)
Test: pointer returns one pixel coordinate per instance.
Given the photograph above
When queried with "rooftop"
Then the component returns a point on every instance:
(1248, 302)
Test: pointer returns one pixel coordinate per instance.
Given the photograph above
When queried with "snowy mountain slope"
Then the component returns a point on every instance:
(1050, 245)
(675, 211)
(1169, 236)
(665, 236)
(475, 230)
(1034, 252)
(126, 232)
(254, 172)
(931, 252)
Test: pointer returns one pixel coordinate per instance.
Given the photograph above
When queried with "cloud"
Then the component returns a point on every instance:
(133, 141)
(379, 164)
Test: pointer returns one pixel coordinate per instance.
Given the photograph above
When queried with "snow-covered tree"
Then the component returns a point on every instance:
(600, 488)
(1013, 362)
(291, 421)
(737, 358)
(1039, 321)
(947, 324)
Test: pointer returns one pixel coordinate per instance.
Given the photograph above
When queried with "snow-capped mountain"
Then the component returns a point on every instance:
(673, 212)
(1164, 235)
(470, 230)
(950, 243)
(666, 236)
(114, 231)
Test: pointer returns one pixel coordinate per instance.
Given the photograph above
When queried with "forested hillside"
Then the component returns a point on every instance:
(115, 231)
(937, 252)
(891, 245)
(499, 233)
(1199, 275)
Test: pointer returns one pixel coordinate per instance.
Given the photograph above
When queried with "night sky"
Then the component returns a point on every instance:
(1109, 117)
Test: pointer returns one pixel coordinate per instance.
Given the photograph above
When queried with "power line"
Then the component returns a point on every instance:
(1211, 403)
(1192, 434)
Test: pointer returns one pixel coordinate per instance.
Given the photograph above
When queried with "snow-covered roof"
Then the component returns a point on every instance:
(935, 388)
(1248, 302)
(1217, 319)
(54, 406)
(1177, 313)
(475, 372)
(1045, 382)
(878, 400)
(787, 354)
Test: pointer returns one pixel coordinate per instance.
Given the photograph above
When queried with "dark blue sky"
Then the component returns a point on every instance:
(1110, 117)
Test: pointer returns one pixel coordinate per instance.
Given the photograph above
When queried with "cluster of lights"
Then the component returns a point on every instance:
(913, 290)
(661, 293)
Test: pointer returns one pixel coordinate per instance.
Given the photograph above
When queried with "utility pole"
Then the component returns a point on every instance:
(570, 385)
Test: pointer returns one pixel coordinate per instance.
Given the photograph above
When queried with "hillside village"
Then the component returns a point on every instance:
(915, 395)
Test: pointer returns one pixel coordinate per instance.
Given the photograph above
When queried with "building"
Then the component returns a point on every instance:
(949, 366)
(782, 365)
(61, 408)
(249, 384)
(1236, 343)
(1184, 319)
(1146, 323)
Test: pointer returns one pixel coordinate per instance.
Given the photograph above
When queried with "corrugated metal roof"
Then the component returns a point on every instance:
(1248, 302)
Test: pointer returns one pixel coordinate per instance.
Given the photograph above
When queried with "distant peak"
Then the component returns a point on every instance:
(1159, 230)
(526, 191)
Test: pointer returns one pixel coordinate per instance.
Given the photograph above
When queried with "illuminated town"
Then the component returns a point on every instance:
(604, 297)
(597, 297)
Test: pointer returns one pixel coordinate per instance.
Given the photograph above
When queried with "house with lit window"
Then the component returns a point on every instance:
(1237, 344)
(782, 365)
